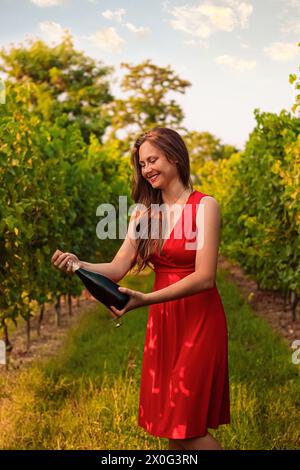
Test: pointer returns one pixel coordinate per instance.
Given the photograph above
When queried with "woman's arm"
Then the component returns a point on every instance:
(189, 285)
(119, 266)
(123, 261)
(106, 269)
(208, 223)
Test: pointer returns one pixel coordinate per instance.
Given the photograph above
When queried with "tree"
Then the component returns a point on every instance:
(147, 104)
(68, 82)
(204, 147)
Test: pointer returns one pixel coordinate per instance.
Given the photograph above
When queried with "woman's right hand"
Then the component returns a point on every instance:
(60, 261)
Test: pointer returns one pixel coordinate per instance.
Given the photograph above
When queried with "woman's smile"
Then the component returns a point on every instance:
(154, 178)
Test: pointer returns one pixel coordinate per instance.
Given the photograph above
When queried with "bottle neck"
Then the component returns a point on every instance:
(75, 266)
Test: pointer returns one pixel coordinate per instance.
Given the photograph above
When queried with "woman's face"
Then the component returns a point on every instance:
(153, 162)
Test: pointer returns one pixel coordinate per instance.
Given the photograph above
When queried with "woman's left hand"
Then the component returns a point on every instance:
(137, 299)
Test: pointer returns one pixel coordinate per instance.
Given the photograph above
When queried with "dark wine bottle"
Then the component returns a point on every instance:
(101, 287)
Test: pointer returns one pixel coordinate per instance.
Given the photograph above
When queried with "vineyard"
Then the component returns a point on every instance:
(61, 157)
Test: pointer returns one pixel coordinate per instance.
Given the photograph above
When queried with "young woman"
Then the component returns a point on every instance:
(184, 386)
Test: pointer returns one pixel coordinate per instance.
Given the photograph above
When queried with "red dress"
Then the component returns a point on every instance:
(184, 385)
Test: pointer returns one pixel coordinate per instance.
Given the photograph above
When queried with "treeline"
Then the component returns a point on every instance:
(61, 156)
(259, 192)
(51, 183)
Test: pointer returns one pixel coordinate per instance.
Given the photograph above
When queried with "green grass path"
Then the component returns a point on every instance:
(87, 396)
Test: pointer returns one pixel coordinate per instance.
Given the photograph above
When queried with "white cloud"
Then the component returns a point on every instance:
(117, 15)
(282, 51)
(114, 15)
(107, 39)
(243, 10)
(191, 42)
(205, 18)
(289, 17)
(48, 3)
(140, 31)
(242, 43)
(234, 63)
(52, 31)
(198, 42)
(290, 26)
(292, 3)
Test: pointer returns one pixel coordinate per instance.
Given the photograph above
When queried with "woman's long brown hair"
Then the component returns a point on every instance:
(171, 144)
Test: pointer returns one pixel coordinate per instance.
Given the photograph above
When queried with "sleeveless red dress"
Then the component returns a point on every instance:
(184, 385)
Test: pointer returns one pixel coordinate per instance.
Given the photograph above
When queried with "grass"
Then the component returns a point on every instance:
(86, 397)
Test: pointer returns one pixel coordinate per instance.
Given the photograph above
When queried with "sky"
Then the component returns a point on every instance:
(237, 54)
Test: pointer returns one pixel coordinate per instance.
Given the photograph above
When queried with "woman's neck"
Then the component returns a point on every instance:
(175, 195)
